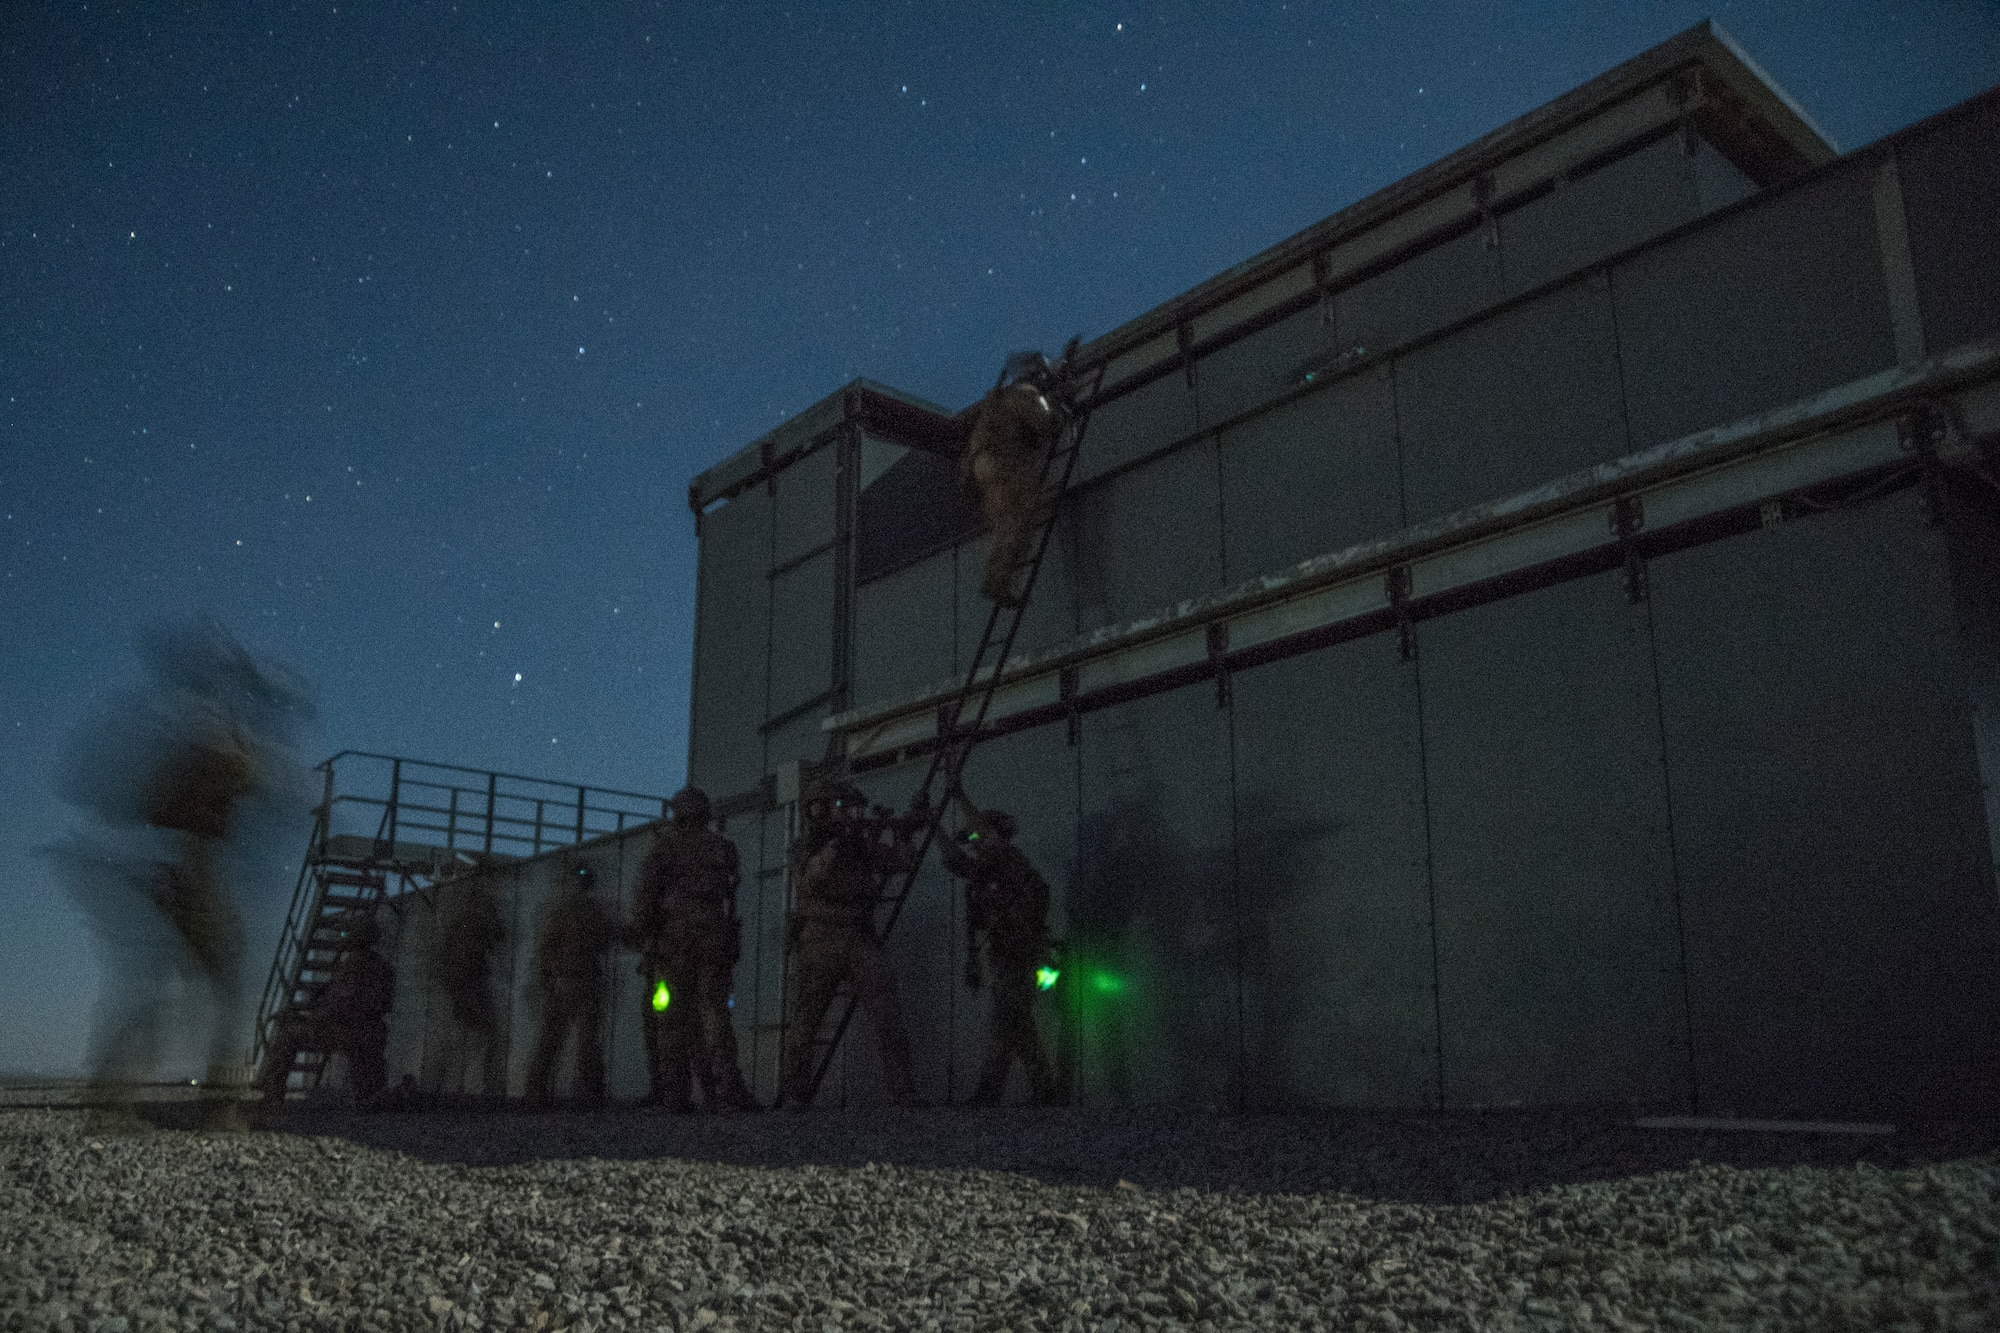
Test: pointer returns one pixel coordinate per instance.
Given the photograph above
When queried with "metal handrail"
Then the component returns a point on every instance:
(408, 808)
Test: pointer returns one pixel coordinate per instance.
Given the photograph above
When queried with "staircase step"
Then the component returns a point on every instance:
(356, 879)
(343, 900)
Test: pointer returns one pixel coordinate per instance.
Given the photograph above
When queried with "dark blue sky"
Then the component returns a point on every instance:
(366, 331)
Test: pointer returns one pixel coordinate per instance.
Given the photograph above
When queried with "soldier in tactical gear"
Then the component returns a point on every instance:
(1008, 903)
(576, 932)
(470, 932)
(690, 938)
(1001, 469)
(837, 863)
(350, 1017)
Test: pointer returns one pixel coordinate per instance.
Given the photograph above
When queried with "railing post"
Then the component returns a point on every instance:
(491, 780)
(395, 794)
(539, 803)
(581, 792)
(451, 823)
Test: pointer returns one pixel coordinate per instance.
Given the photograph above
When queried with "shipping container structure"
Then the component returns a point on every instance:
(1531, 638)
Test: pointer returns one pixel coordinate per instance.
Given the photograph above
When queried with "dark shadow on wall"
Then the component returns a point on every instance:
(1153, 993)
(1276, 856)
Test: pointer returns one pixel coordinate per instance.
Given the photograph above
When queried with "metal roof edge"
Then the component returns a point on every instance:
(1703, 46)
(907, 415)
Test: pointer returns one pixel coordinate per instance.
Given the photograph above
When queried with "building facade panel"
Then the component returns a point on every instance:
(1557, 944)
(1253, 370)
(1769, 305)
(802, 738)
(1311, 476)
(802, 601)
(1950, 175)
(760, 976)
(905, 629)
(1136, 424)
(1339, 1001)
(1151, 920)
(1421, 295)
(1507, 403)
(1972, 528)
(1718, 181)
(732, 643)
(626, 999)
(802, 515)
(1051, 614)
(1843, 936)
(1149, 537)
(415, 937)
(1600, 213)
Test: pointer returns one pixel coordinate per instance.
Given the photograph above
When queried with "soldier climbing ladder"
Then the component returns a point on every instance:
(961, 718)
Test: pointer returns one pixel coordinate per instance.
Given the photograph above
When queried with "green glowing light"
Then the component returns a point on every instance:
(1045, 977)
(662, 997)
(972, 837)
(1106, 984)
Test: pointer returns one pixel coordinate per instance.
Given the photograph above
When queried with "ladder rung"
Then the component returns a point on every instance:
(344, 900)
(356, 879)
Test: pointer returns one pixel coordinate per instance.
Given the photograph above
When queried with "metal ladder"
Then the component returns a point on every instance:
(313, 944)
(956, 734)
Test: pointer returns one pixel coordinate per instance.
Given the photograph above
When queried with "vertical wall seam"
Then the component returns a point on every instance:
(1660, 722)
(1673, 860)
(1423, 767)
(763, 820)
(1075, 753)
(1242, 1075)
(694, 673)
(1899, 273)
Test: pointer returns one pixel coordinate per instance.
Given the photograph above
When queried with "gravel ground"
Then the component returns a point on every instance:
(1011, 1219)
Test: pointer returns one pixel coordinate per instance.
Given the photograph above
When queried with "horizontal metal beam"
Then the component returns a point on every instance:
(1844, 432)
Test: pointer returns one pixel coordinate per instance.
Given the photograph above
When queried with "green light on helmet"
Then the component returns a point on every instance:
(1045, 977)
(662, 997)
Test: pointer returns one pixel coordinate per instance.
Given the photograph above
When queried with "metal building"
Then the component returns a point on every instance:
(1530, 638)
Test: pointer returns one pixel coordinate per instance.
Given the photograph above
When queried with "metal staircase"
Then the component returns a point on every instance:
(388, 826)
(961, 720)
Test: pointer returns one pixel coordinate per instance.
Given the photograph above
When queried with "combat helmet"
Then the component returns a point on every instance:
(834, 792)
(996, 822)
(690, 805)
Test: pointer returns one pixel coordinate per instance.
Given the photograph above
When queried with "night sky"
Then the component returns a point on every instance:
(392, 337)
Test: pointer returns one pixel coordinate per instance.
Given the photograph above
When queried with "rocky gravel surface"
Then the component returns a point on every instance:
(1012, 1219)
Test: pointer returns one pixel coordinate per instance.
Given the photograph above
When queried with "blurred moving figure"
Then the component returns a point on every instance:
(350, 1018)
(165, 774)
(470, 932)
(576, 932)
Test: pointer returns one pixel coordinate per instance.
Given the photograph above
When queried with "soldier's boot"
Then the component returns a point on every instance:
(992, 1079)
(731, 1093)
